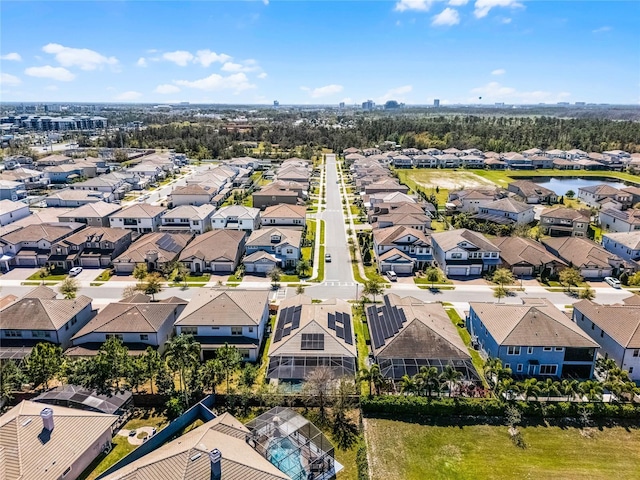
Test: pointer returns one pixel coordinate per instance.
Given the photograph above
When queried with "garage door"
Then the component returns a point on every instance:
(220, 268)
(475, 271)
(591, 273)
(263, 267)
(456, 271)
(403, 268)
(91, 262)
(522, 271)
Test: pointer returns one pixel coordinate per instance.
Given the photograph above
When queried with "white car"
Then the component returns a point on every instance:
(75, 271)
(614, 282)
(391, 275)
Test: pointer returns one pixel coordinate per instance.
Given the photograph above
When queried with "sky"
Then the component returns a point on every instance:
(321, 52)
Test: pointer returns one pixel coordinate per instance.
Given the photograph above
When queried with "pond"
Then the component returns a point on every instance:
(562, 185)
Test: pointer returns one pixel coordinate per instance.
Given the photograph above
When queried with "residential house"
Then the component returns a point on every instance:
(453, 151)
(187, 218)
(41, 317)
(592, 195)
(311, 335)
(392, 198)
(402, 161)
(92, 214)
(76, 198)
(113, 184)
(11, 211)
(586, 164)
(562, 164)
(379, 210)
(69, 172)
(10, 190)
(30, 246)
(192, 195)
(532, 192)
(634, 192)
(564, 222)
(236, 217)
(401, 249)
(464, 253)
(533, 339)
(274, 195)
(493, 163)
(217, 251)
(232, 316)
(141, 218)
(517, 161)
(576, 154)
(447, 160)
(616, 328)
(419, 221)
(526, 257)
(625, 245)
(135, 321)
(588, 257)
(385, 185)
(614, 220)
(541, 161)
(148, 170)
(408, 334)
(506, 211)
(91, 247)
(53, 161)
(29, 178)
(470, 201)
(52, 442)
(284, 215)
(432, 151)
(154, 250)
(284, 243)
(531, 152)
(425, 161)
(556, 153)
(219, 448)
(472, 161)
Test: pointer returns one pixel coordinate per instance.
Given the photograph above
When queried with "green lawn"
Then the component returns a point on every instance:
(500, 177)
(202, 278)
(104, 276)
(477, 361)
(361, 330)
(411, 451)
(51, 277)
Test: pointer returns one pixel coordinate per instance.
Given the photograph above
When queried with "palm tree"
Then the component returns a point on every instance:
(408, 385)
(229, 358)
(364, 375)
(551, 388)
(592, 390)
(451, 376)
(507, 387)
(373, 375)
(152, 363)
(530, 388)
(430, 379)
(182, 355)
(570, 388)
(494, 372)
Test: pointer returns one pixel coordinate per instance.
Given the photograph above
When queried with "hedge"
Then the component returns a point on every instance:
(441, 407)
(361, 462)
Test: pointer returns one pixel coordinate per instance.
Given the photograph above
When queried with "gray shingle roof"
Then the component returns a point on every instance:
(215, 245)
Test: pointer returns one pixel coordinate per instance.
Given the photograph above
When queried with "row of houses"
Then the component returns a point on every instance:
(473, 158)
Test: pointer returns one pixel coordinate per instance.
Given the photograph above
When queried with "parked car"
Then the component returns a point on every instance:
(75, 271)
(133, 433)
(614, 282)
(327, 257)
(391, 275)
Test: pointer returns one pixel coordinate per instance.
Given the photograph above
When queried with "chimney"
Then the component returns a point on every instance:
(47, 418)
(215, 456)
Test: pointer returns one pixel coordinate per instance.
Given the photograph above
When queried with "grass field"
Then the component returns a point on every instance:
(412, 451)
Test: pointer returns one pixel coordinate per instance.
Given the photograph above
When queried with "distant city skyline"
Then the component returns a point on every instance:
(255, 52)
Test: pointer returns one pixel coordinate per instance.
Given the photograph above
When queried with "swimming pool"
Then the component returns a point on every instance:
(286, 457)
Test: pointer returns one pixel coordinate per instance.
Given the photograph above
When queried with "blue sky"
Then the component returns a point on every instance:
(321, 52)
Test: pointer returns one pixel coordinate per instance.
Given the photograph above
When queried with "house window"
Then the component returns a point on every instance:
(593, 326)
(559, 349)
(529, 350)
(40, 334)
(456, 255)
(494, 254)
(144, 336)
(636, 352)
(519, 367)
(119, 336)
(548, 369)
(630, 369)
(18, 333)
(250, 329)
(507, 365)
(601, 333)
(189, 330)
(245, 353)
(513, 350)
(236, 330)
(546, 349)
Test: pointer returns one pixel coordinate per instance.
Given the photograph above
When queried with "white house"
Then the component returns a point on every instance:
(217, 251)
(623, 244)
(187, 217)
(614, 220)
(236, 217)
(235, 317)
(463, 252)
(192, 195)
(11, 211)
(141, 218)
(148, 170)
(284, 215)
(284, 243)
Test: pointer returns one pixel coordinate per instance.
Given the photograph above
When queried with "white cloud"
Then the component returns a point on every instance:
(54, 73)
(419, 5)
(325, 91)
(179, 57)
(207, 57)
(128, 96)
(7, 80)
(496, 92)
(458, 3)
(499, 71)
(13, 56)
(505, 20)
(83, 58)
(236, 82)
(395, 94)
(262, 75)
(166, 89)
(246, 66)
(142, 62)
(51, 88)
(603, 29)
(483, 7)
(448, 17)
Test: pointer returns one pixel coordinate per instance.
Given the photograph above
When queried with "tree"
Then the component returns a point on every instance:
(69, 287)
(530, 388)
(570, 194)
(429, 380)
(373, 376)
(10, 379)
(373, 287)
(317, 387)
(432, 275)
(570, 388)
(152, 364)
(152, 285)
(113, 363)
(408, 385)
(182, 272)
(587, 293)
(248, 375)
(551, 388)
(494, 372)
(229, 358)
(302, 267)
(499, 292)
(451, 376)
(275, 276)
(570, 277)
(183, 355)
(300, 290)
(44, 363)
(43, 273)
(140, 271)
(211, 374)
(592, 390)
(503, 276)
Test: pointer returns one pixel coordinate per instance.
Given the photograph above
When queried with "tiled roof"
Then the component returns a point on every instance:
(262, 237)
(239, 211)
(41, 313)
(628, 239)
(97, 234)
(631, 216)
(580, 252)
(451, 238)
(190, 211)
(93, 210)
(517, 250)
(390, 235)
(232, 307)
(166, 245)
(620, 322)
(284, 210)
(564, 213)
(215, 245)
(508, 205)
(141, 210)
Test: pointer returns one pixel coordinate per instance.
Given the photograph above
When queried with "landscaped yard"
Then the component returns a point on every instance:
(413, 451)
(477, 361)
(54, 276)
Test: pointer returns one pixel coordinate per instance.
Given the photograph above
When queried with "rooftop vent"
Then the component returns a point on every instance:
(47, 418)
(215, 457)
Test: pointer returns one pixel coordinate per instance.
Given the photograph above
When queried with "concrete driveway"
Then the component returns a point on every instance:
(89, 274)
(19, 273)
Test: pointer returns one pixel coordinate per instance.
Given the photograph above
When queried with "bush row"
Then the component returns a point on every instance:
(405, 405)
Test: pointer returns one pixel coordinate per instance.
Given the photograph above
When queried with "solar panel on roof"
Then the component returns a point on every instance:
(295, 322)
(375, 327)
(312, 341)
(347, 329)
(339, 331)
(286, 331)
(332, 321)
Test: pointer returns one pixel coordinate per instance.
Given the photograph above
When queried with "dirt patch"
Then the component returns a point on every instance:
(450, 180)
